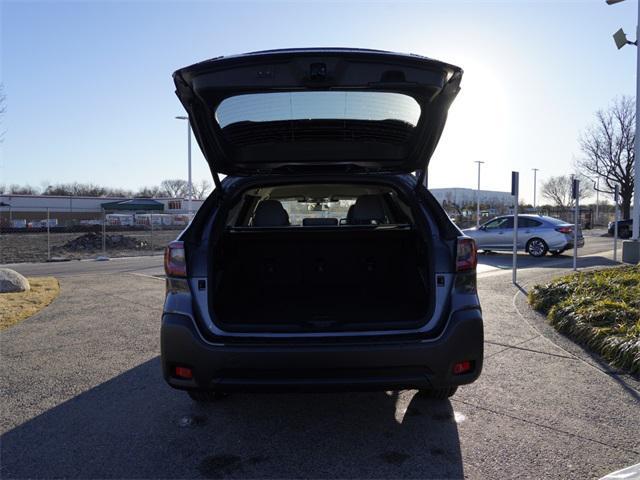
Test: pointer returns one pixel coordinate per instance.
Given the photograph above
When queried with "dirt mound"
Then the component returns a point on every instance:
(93, 241)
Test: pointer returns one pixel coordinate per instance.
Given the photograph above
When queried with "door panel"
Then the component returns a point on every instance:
(493, 233)
(505, 233)
(527, 229)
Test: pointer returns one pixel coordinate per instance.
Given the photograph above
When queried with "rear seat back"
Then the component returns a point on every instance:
(281, 262)
(270, 213)
(368, 209)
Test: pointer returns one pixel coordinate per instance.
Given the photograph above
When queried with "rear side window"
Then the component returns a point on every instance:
(499, 223)
(555, 221)
(528, 223)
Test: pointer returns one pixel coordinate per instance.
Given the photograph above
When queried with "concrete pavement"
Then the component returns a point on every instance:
(83, 397)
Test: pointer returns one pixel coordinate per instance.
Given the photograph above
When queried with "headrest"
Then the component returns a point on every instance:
(270, 213)
(368, 209)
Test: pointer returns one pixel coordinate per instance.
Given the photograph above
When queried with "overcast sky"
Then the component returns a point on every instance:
(90, 96)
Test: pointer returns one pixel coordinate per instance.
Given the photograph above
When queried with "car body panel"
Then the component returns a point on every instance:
(205, 222)
(202, 88)
(625, 228)
(364, 366)
(529, 227)
(416, 356)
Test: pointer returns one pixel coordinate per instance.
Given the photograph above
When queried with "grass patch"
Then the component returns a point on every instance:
(15, 307)
(599, 309)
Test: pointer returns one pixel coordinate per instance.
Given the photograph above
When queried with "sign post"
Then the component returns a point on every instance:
(514, 191)
(575, 193)
(48, 235)
(616, 218)
(104, 233)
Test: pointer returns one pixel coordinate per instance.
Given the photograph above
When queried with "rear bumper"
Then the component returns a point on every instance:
(569, 245)
(299, 367)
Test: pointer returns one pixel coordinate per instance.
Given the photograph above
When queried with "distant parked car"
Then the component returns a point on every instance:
(537, 235)
(624, 228)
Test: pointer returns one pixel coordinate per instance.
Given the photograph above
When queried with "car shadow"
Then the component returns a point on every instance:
(504, 261)
(135, 426)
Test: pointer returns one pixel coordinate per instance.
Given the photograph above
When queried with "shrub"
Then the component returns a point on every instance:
(599, 309)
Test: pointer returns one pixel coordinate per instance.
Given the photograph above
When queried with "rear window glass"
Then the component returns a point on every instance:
(334, 105)
(338, 205)
(555, 221)
(299, 210)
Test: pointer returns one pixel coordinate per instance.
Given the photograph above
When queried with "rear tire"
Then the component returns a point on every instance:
(624, 233)
(536, 247)
(441, 393)
(206, 396)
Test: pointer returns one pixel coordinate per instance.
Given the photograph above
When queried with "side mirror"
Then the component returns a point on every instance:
(482, 227)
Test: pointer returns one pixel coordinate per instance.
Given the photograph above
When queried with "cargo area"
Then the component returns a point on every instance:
(358, 266)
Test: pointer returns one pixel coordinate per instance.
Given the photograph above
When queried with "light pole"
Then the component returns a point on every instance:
(535, 187)
(478, 196)
(190, 187)
(631, 249)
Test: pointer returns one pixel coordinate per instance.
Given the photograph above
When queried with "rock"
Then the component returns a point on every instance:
(12, 281)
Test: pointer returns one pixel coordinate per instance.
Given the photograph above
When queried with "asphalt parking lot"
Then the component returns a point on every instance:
(83, 397)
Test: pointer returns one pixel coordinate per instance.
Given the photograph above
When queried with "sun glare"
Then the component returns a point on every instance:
(477, 127)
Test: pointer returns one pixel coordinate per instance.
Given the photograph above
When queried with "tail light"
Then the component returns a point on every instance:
(462, 367)
(183, 372)
(175, 264)
(467, 255)
(565, 230)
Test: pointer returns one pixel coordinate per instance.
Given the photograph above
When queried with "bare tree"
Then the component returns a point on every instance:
(153, 191)
(607, 146)
(201, 189)
(175, 187)
(22, 190)
(84, 190)
(57, 189)
(558, 190)
(76, 189)
(118, 192)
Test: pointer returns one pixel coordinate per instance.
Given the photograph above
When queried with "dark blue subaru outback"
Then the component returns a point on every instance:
(320, 261)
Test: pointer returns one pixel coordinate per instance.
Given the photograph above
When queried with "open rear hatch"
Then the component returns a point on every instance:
(317, 110)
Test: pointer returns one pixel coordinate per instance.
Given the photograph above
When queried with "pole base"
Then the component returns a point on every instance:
(631, 251)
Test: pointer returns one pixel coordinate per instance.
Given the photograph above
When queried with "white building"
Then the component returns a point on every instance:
(83, 204)
(468, 196)
(71, 209)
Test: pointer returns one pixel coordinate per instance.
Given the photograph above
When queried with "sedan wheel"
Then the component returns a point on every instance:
(537, 247)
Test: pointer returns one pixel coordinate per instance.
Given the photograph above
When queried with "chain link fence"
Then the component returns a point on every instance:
(28, 236)
(466, 217)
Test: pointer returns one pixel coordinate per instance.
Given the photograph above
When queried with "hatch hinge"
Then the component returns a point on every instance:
(217, 182)
(422, 178)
